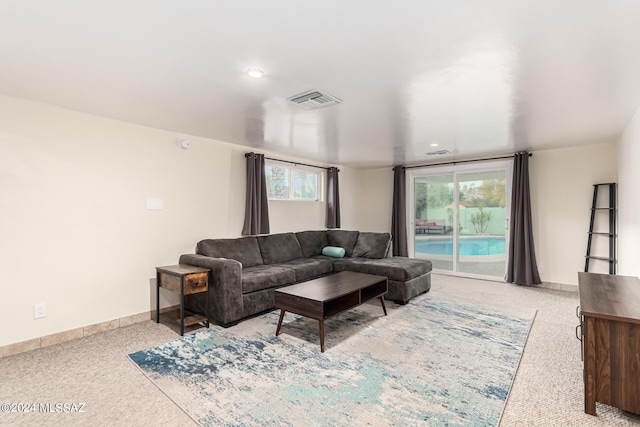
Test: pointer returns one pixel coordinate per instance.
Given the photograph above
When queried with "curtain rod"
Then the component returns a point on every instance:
(293, 163)
(463, 161)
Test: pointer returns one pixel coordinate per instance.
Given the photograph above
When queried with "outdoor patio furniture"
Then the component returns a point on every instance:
(424, 226)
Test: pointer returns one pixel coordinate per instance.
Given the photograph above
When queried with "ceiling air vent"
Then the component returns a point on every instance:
(438, 153)
(314, 99)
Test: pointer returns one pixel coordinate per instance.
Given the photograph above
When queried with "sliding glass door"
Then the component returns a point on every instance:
(434, 219)
(459, 218)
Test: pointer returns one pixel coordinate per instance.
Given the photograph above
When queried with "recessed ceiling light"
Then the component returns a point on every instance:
(434, 144)
(256, 73)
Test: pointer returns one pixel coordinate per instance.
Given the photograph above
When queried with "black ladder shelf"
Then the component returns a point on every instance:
(612, 234)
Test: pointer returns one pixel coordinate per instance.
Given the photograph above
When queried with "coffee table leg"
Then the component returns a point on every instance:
(383, 306)
(280, 322)
(321, 336)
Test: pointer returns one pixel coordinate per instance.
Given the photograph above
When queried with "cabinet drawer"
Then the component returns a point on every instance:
(194, 283)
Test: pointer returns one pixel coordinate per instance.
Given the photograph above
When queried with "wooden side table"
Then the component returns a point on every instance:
(187, 280)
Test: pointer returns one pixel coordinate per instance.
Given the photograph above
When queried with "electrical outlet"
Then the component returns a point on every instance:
(39, 310)
(540, 269)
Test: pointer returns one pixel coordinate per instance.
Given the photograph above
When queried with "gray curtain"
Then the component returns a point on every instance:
(256, 212)
(399, 212)
(333, 198)
(522, 268)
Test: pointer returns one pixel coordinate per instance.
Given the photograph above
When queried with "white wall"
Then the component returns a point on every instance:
(629, 199)
(74, 229)
(561, 196)
(374, 200)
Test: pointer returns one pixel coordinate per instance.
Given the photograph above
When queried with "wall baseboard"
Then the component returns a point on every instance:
(559, 286)
(73, 334)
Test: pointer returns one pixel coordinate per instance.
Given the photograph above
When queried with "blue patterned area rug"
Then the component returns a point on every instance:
(434, 361)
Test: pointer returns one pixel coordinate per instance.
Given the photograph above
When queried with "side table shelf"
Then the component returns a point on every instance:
(186, 280)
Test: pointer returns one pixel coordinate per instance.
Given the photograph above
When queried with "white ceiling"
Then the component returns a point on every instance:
(478, 77)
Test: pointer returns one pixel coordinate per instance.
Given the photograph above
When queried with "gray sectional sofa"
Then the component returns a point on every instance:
(245, 271)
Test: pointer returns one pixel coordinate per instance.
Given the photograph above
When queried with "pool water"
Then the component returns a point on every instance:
(468, 246)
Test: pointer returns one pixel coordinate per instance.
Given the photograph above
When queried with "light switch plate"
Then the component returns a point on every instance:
(154, 204)
(39, 310)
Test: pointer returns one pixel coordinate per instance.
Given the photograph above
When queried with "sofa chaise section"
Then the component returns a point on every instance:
(408, 277)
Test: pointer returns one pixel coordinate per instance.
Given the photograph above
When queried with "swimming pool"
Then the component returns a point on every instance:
(469, 246)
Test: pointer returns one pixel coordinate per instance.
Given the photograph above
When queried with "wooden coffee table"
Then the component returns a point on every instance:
(330, 295)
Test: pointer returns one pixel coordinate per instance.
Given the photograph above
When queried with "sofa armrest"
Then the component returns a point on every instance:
(225, 289)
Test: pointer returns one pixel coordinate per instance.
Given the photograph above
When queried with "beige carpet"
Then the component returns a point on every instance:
(96, 371)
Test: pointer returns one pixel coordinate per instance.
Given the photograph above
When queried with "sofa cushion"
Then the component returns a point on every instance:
(372, 245)
(400, 269)
(344, 239)
(277, 248)
(310, 268)
(244, 249)
(265, 276)
(312, 242)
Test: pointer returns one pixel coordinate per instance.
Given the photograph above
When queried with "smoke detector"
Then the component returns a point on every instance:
(314, 99)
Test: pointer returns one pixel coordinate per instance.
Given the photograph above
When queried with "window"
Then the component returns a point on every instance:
(291, 183)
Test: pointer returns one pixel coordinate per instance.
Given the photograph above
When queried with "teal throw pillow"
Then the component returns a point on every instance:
(333, 251)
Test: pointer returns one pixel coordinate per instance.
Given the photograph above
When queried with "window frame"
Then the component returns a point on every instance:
(297, 168)
(455, 171)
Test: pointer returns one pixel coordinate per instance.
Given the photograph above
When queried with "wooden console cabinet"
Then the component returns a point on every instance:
(610, 322)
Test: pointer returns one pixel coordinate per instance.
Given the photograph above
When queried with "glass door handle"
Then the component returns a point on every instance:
(506, 223)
